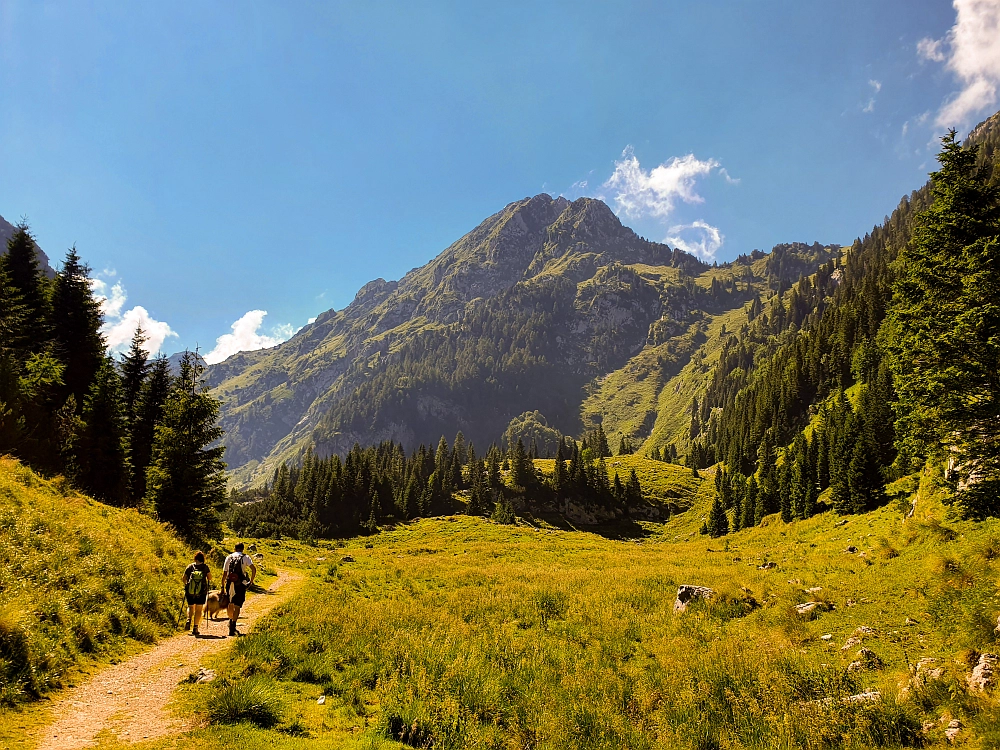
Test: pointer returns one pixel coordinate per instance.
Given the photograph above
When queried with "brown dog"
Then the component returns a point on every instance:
(217, 601)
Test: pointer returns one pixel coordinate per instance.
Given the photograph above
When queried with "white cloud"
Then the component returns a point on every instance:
(930, 49)
(877, 86)
(654, 193)
(311, 321)
(119, 327)
(698, 238)
(246, 337)
(970, 50)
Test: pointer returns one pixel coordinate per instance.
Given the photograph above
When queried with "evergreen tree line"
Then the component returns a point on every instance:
(125, 432)
(907, 326)
(339, 497)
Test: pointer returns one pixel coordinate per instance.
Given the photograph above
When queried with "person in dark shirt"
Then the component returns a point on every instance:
(197, 577)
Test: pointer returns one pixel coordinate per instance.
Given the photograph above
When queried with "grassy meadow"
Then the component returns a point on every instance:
(458, 633)
(80, 582)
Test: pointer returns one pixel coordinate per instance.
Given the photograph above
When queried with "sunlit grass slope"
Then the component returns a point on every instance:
(79, 581)
(458, 633)
(662, 483)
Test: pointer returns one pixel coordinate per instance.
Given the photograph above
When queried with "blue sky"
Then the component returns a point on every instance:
(216, 160)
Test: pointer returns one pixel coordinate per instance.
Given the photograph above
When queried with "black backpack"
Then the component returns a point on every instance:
(235, 568)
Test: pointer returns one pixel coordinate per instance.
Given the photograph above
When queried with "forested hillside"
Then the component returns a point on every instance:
(858, 375)
(123, 430)
(531, 311)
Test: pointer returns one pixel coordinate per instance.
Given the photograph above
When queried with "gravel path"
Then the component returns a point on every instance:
(129, 699)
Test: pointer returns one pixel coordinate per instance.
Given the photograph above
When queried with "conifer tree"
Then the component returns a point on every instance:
(718, 521)
(134, 367)
(186, 481)
(148, 413)
(101, 457)
(943, 329)
(76, 327)
(29, 286)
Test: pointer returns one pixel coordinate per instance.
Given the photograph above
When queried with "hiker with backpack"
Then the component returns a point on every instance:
(196, 583)
(234, 574)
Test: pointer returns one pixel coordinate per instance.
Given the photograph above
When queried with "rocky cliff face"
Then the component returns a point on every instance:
(520, 314)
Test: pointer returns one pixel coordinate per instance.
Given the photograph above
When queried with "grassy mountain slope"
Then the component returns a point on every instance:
(537, 308)
(455, 632)
(79, 581)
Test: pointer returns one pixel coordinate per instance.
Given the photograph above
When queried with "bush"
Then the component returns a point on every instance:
(254, 700)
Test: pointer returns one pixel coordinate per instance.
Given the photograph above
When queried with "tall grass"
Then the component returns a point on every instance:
(77, 580)
(458, 633)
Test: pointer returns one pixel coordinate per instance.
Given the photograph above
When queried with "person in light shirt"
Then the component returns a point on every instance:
(238, 573)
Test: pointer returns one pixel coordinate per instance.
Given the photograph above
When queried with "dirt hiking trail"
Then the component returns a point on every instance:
(129, 699)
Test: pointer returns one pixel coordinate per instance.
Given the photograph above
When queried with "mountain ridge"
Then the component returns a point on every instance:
(550, 289)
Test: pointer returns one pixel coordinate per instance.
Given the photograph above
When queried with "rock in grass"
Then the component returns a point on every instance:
(347, 558)
(867, 660)
(811, 609)
(984, 676)
(321, 701)
(954, 727)
(767, 566)
(686, 594)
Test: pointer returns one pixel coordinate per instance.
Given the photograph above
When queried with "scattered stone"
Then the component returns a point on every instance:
(320, 559)
(865, 697)
(984, 676)
(252, 548)
(867, 660)
(811, 609)
(863, 630)
(795, 581)
(954, 727)
(258, 556)
(928, 727)
(851, 550)
(910, 622)
(201, 676)
(686, 594)
(850, 643)
(851, 602)
(767, 566)
(840, 523)
(347, 558)
(927, 671)
(321, 701)
(826, 637)
(814, 590)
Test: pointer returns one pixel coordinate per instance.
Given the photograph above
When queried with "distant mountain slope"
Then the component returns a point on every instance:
(530, 310)
(7, 231)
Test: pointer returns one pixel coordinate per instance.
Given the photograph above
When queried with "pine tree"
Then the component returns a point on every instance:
(30, 287)
(186, 481)
(142, 432)
(76, 327)
(101, 457)
(134, 368)
(718, 521)
(942, 333)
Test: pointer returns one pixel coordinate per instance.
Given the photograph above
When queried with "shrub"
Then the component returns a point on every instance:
(254, 700)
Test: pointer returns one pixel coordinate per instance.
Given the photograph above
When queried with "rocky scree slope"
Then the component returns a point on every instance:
(530, 310)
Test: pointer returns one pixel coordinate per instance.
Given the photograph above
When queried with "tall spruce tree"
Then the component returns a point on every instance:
(101, 457)
(943, 329)
(186, 481)
(76, 327)
(142, 432)
(29, 286)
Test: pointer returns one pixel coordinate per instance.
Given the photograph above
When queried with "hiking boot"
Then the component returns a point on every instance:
(195, 633)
